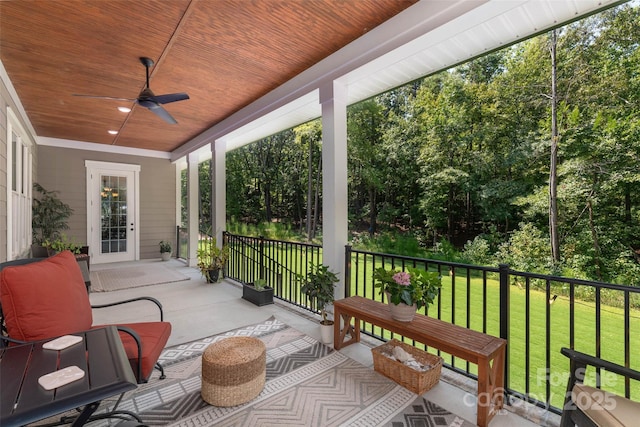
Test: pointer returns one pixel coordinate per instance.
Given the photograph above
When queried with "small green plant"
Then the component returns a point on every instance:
(62, 243)
(211, 257)
(259, 284)
(165, 246)
(319, 285)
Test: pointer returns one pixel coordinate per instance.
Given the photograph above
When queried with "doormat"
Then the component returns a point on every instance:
(132, 277)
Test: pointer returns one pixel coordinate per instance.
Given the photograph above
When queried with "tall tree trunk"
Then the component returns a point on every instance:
(373, 213)
(596, 244)
(316, 202)
(627, 204)
(470, 225)
(268, 212)
(450, 214)
(553, 174)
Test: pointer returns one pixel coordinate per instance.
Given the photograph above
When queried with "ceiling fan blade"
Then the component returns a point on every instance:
(171, 97)
(105, 97)
(162, 113)
(148, 99)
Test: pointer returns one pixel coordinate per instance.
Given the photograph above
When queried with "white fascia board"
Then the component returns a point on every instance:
(4, 77)
(102, 148)
(301, 110)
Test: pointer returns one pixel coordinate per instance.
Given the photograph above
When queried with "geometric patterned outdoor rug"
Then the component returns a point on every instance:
(307, 384)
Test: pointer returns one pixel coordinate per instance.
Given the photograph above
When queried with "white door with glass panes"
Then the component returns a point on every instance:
(112, 211)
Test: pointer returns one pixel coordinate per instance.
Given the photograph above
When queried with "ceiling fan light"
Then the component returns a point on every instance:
(112, 132)
(124, 109)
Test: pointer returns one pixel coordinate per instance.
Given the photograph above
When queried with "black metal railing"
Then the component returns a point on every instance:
(182, 242)
(537, 314)
(279, 263)
(182, 239)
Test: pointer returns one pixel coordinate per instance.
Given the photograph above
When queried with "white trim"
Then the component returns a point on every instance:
(111, 166)
(16, 100)
(102, 148)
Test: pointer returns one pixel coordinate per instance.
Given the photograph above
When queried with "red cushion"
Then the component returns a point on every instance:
(45, 299)
(154, 337)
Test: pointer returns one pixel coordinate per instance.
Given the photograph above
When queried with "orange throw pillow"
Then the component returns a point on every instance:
(45, 299)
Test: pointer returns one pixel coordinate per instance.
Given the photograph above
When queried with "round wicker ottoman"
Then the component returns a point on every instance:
(233, 371)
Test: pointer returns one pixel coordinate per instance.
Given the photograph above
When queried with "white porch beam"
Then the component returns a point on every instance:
(218, 190)
(193, 197)
(333, 98)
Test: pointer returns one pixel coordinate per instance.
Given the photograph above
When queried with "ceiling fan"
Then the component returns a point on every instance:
(148, 99)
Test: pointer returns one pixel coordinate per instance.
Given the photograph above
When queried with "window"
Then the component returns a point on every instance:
(19, 189)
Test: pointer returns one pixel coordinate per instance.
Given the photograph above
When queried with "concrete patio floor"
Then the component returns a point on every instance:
(198, 309)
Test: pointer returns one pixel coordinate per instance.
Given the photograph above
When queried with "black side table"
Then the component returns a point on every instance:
(100, 355)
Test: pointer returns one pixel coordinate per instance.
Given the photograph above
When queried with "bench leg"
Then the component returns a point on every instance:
(490, 387)
(340, 334)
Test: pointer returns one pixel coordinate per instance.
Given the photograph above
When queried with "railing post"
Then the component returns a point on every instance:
(504, 316)
(177, 241)
(261, 257)
(347, 271)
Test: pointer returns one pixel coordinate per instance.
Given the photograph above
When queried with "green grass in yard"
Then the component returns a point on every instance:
(612, 333)
(611, 318)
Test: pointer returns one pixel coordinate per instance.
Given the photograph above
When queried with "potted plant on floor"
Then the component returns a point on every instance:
(212, 259)
(319, 285)
(258, 292)
(165, 250)
(49, 218)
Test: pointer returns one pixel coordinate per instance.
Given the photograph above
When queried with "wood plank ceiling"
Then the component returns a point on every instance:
(223, 53)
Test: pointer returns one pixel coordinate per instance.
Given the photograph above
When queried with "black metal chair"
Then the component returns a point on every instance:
(588, 406)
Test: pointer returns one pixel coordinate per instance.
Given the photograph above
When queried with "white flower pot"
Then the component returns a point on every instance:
(326, 332)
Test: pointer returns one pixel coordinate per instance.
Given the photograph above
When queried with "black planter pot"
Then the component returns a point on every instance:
(213, 276)
(256, 297)
(38, 251)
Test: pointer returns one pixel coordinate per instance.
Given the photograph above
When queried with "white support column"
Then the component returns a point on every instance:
(219, 189)
(193, 212)
(333, 98)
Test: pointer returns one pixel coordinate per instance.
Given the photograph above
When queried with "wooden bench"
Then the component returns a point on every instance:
(484, 350)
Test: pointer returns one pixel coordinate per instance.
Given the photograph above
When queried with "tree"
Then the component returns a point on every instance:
(553, 162)
(366, 162)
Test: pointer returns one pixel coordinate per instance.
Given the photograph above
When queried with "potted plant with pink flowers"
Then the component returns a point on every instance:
(407, 291)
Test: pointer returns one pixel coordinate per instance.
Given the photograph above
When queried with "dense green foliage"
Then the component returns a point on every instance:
(459, 161)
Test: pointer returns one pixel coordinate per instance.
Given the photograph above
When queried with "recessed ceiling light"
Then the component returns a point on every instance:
(113, 132)
(124, 109)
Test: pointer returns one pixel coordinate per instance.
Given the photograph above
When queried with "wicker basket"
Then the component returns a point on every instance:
(417, 381)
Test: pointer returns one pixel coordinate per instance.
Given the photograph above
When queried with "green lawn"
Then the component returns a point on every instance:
(611, 324)
(611, 329)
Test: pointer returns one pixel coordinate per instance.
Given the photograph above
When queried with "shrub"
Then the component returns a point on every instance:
(477, 251)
